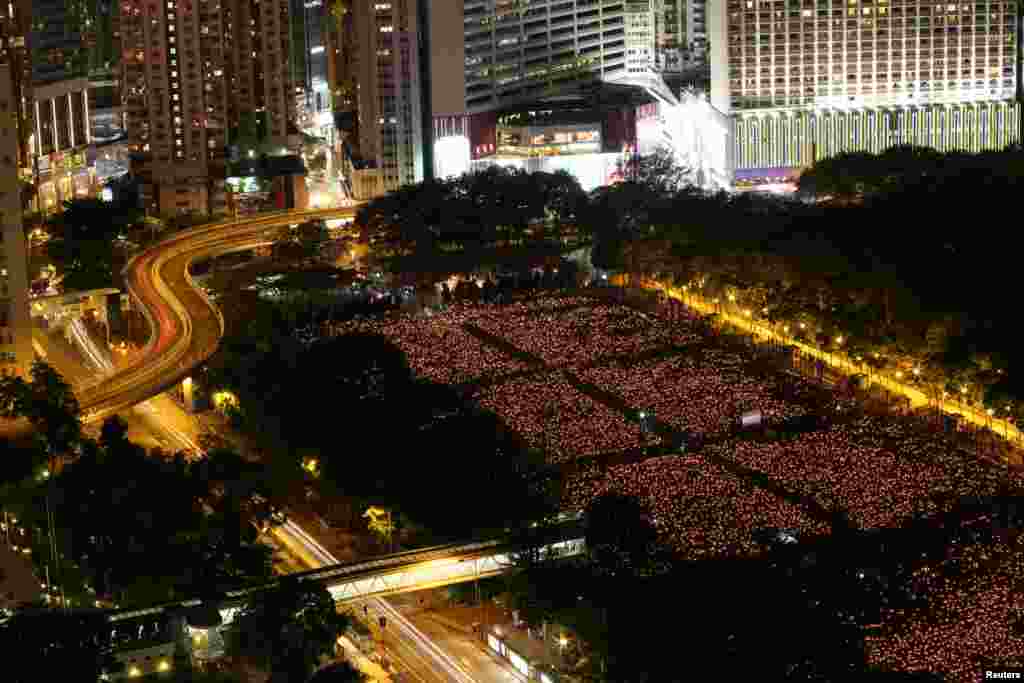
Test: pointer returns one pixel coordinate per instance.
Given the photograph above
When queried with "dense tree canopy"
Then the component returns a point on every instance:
(287, 631)
(83, 244)
(890, 269)
(496, 206)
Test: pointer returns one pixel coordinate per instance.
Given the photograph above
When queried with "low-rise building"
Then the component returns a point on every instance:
(59, 147)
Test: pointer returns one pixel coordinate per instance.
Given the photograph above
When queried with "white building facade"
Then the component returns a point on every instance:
(808, 80)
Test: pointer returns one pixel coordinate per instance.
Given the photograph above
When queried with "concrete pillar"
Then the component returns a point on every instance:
(188, 394)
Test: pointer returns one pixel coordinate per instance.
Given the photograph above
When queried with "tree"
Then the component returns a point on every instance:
(660, 171)
(55, 646)
(342, 672)
(286, 630)
(48, 403)
(622, 539)
(83, 244)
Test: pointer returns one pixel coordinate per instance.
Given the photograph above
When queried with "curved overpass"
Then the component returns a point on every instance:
(185, 328)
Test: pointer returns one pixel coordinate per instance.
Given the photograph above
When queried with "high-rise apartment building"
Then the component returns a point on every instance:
(390, 89)
(257, 40)
(190, 68)
(15, 320)
(15, 25)
(56, 40)
(806, 80)
(310, 61)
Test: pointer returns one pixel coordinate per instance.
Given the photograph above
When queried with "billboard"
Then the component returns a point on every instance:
(751, 418)
(451, 156)
(592, 170)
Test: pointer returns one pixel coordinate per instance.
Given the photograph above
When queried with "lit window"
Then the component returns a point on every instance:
(387, 29)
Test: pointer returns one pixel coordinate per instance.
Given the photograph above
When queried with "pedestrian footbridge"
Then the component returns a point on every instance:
(388, 575)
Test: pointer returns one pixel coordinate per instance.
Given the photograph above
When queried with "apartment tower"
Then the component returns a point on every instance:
(15, 321)
(189, 69)
(390, 92)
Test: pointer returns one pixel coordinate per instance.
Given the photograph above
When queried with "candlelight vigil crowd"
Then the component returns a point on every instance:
(573, 377)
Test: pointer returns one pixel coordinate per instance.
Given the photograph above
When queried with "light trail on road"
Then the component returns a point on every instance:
(171, 353)
(105, 366)
(158, 281)
(439, 657)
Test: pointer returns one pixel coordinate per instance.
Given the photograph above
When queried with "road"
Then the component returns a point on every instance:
(185, 330)
(457, 640)
(413, 656)
(185, 327)
(155, 423)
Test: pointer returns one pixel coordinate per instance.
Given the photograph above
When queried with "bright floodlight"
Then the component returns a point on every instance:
(451, 156)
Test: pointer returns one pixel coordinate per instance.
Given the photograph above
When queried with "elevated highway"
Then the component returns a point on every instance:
(185, 328)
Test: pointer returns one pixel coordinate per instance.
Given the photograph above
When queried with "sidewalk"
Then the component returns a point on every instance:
(840, 366)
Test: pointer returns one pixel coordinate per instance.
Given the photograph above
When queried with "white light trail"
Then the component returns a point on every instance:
(101, 361)
(440, 657)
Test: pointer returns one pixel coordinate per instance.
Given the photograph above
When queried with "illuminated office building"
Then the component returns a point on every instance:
(517, 50)
(808, 80)
(435, 78)
(310, 65)
(640, 37)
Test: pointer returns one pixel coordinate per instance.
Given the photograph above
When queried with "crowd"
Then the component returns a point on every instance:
(569, 337)
(881, 472)
(553, 415)
(699, 509)
(703, 394)
(974, 619)
(438, 348)
(445, 353)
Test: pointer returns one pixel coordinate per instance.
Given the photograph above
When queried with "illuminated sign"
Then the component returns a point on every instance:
(451, 156)
(245, 184)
